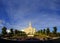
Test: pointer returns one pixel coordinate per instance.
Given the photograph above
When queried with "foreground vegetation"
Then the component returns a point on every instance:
(20, 34)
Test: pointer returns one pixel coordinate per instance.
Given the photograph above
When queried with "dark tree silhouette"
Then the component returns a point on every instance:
(43, 31)
(40, 31)
(54, 30)
(4, 31)
(11, 32)
(47, 31)
(16, 31)
(20, 33)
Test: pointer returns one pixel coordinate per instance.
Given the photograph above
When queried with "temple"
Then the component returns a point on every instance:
(30, 31)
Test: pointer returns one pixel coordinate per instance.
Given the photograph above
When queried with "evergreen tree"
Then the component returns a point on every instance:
(11, 32)
(39, 31)
(20, 33)
(4, 31)
(16, 31)
(47, 31)
(54, 30)
(43, 31)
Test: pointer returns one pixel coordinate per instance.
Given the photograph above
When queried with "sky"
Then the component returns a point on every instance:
(16, 14)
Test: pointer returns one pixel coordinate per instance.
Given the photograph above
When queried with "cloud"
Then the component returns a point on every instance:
(41, 12)
(2, 22)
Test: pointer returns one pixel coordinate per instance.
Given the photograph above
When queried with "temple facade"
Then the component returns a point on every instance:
(30, 31)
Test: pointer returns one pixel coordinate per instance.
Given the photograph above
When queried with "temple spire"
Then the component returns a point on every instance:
(30, 24)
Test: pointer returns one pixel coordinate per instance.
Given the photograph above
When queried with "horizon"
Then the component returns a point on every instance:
(16, 14)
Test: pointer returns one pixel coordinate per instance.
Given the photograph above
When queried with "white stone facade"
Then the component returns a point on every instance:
(30, 30)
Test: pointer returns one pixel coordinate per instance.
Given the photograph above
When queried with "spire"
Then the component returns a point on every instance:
(30, 24)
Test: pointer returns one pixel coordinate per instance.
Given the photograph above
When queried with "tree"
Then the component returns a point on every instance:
(43, 31)
(38, 31)
(47, 31)
(11, 32)
(20, 33)
(4, 31)
(54, 30)
(16, 31)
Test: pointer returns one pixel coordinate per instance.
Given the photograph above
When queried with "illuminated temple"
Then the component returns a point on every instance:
(30, 31)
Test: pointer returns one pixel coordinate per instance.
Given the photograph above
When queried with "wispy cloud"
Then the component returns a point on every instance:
(42, 12)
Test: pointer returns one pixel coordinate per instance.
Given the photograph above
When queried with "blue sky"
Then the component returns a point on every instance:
(42, 13)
